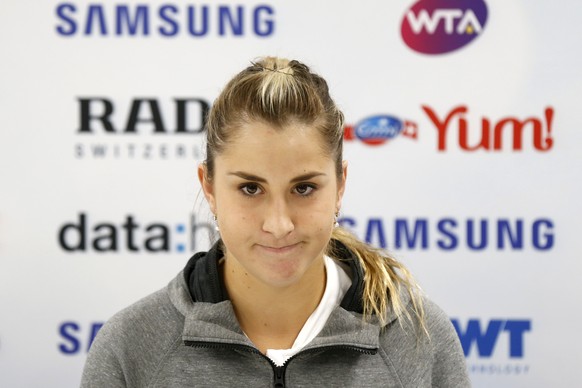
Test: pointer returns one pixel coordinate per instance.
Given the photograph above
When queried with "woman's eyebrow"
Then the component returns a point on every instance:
(255, 178)
(306, 177)
(247, 176)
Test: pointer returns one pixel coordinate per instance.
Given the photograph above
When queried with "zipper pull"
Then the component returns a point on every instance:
(279, 377)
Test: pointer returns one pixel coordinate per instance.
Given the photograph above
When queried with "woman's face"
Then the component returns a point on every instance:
(275, 193)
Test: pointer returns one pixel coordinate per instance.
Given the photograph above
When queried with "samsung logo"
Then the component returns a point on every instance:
(165, 20)
(449, 233)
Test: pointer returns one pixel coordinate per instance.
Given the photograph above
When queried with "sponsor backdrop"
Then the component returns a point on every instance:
(463, 138)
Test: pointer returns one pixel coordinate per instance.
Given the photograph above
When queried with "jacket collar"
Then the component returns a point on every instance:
(203, 277)
(205, 285)
(200, 296)
(216, 323)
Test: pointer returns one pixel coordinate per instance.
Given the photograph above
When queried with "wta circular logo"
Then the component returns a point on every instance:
(442, 26)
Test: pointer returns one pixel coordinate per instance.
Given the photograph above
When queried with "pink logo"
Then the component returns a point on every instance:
(442, 26)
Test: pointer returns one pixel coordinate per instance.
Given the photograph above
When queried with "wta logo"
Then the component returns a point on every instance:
(442, 26)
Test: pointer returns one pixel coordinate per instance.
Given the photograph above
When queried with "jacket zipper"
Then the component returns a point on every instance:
(279, 375)
(278, 371)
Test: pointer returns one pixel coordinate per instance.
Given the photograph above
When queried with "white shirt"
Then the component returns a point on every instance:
(337, 284)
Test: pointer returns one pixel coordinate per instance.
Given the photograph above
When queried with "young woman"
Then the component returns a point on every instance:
(285, 297)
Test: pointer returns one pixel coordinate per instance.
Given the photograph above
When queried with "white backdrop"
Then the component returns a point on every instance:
(100, 203)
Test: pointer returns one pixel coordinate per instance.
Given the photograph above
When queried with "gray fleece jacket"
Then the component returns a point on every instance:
(187, 335)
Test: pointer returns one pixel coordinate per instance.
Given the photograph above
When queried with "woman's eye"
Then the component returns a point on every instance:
(251, 189)
(304, 189)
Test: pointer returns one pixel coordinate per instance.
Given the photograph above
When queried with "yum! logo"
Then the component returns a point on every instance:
(458, 129)
(506, 133)
(442, 26)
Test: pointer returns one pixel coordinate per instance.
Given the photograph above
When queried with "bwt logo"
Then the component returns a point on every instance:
(442, 26)
(379, 129)
(165, 20)
(132, 235)
(486, 338)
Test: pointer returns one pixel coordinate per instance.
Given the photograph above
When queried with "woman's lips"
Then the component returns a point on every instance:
(279, 249)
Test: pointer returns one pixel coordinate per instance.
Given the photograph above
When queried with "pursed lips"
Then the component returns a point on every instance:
(279, 249)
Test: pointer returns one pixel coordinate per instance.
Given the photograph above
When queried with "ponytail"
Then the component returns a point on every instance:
(384, 280)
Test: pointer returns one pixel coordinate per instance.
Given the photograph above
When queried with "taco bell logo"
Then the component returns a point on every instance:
(442, 26)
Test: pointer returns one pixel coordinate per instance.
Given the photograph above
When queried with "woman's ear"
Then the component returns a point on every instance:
(207, 186)
(342, 185)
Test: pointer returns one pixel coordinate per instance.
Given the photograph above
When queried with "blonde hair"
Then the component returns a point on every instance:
(279, 92)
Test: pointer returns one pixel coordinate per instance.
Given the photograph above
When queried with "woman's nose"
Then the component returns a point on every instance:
(277, 219)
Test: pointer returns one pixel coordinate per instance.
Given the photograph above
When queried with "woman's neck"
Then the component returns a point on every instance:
(272, 317)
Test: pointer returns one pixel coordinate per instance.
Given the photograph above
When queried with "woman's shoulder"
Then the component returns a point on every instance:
(433, 324)
(135, 339)
(437, 322)
(146, 315)
(430, 348)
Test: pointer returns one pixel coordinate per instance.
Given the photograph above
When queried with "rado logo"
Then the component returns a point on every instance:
(102, 115)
